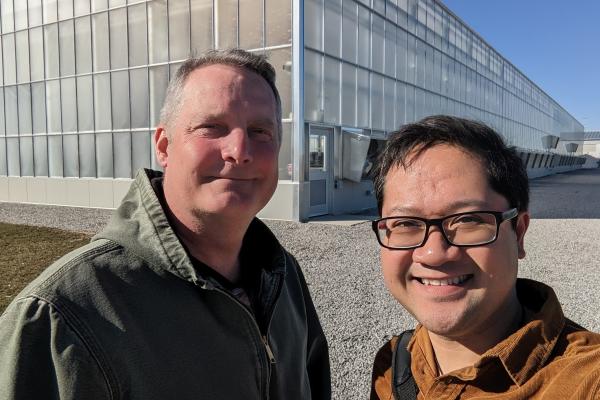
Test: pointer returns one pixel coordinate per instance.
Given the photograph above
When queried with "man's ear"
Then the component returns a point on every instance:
(522, 225)
(161, 146)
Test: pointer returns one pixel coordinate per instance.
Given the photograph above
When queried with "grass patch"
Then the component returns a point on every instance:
(26, 251)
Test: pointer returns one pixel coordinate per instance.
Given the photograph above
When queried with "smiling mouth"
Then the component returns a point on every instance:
(458, 280)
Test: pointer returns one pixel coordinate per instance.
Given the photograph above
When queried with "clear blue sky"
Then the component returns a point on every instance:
(556, 44)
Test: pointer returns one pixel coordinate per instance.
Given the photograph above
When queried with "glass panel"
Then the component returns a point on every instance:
(8, 47)
(138, 46)
(401, 54)
(26, 154)
(24, 113)
(285, 152)
(364, 36)
(116, 3)
(35, 12)
(331, 90)
(410, 104)
(140, 117)
(70, 152)
(82, 7)
(102, 115)
(400, 102)
(2, 121)
(278, 20)
(348, 95)
(36, 52)
(98, 5)
(65, 9)
(67, 48)
(349, 31)
(40, 155)
(104, 153)
(122, 157)
(11, 110)
(158, 31)
(179, 29)
(20, 14)
(1, 65)
(313, 24)
(55, 155)
(50, 11)
(100, 41)
(8, 23)
(87, 155)
(3, 167)
(278, 58)
(38, 105)
(141, 148)
(202, 28)
(85, 103)
(389, 88)
(251, 24)
(118, 33)
(378, 40)
(53, 106)
(159, 79)
(12, 157)
(120, 99)
(316, 151)
(83, 45)
(312, 85)
(227, 23)
(68, 105)
(22, 56)
(51, 50)
(333, 27)
(390, 50)
(362, 98)
(376, 101)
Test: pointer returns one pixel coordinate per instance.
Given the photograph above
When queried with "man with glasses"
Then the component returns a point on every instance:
(453, 200)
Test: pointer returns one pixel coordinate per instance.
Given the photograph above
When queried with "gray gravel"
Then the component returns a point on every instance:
(342, 267)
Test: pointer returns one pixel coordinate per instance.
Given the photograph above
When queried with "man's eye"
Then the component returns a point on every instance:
(469, 219)
(405, 224)
(260, 133)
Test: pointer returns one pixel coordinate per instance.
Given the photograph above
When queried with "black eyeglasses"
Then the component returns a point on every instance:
(466, 229)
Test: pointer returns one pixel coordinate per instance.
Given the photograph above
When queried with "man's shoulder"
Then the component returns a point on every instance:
(73, 272)
(576, 341)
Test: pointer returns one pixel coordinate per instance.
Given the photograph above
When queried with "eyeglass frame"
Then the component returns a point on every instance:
(500, 216)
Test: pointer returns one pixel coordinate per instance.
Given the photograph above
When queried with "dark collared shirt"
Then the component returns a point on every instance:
(549, 357)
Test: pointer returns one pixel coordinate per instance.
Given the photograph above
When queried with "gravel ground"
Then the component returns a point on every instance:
(341, 264)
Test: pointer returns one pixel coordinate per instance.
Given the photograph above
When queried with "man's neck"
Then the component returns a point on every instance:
(214, 240)
(453, 353)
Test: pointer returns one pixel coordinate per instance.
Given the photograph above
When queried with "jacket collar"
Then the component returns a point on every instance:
(141, 226)
(520, 355)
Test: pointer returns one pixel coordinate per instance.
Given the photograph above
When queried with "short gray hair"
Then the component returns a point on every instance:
(233, 57)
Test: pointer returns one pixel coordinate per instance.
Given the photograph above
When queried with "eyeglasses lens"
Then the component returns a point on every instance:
(466, 229)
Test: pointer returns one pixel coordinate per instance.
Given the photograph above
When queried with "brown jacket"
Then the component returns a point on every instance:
(550, 357)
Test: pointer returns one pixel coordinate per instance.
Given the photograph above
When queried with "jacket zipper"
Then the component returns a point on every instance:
(264, 339)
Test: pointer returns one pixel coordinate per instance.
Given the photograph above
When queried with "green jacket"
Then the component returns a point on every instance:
(129, 317)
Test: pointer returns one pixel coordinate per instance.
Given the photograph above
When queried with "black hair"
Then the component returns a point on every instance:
(504, 169)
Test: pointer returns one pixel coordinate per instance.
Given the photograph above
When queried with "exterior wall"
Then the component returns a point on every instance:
(82, 83)
(376, 64)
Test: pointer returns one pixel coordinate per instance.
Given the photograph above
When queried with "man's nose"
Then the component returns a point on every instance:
(236, 147)
(436, 251)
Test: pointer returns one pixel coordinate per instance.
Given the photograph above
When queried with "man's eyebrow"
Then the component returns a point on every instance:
(451, 208)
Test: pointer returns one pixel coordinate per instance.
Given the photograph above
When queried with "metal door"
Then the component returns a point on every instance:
(319, 163)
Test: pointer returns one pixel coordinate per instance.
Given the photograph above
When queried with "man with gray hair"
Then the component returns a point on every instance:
(185, 294)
